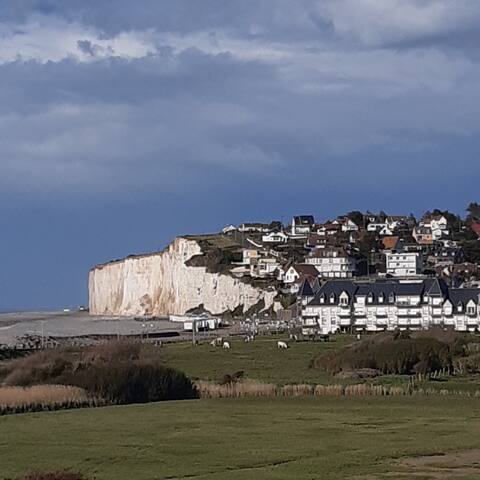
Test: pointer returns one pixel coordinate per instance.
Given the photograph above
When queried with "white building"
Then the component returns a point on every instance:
(390, 304)
(348, 225)
(254, 227)
(264, 267)
(404, 264)
(249, 255)
(376, 227)
(302, 225)
(275, 237)
(294, 272)
(438, 224)
(332, 262)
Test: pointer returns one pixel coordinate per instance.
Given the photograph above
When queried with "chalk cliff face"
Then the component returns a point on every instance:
(162, 284)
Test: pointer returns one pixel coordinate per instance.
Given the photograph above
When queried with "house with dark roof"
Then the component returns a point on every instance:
(295, 271)
(390, 304)
(423, 235)
(302, 225)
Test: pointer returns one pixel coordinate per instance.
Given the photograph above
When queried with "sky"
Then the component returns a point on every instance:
(124, 124)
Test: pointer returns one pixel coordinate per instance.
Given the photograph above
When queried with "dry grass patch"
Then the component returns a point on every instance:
(44, 397)
(40, 394)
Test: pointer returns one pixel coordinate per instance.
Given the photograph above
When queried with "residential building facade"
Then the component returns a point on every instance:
(332, 262)
(403, 264)
(391, 304)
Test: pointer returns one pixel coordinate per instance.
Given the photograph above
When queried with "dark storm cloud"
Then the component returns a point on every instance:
(149, 88)
(353, 23)
(123, 124)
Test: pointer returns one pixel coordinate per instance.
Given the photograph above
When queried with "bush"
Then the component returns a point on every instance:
(389, 353)
(123, 383)
(118, 372)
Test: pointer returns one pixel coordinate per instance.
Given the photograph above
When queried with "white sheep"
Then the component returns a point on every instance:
(226, 345)
(281, 345)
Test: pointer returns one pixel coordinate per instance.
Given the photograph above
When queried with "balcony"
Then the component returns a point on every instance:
(409, 313)
(403, 304)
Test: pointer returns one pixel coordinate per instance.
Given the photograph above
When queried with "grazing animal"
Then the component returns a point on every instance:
(213, 343)
(226, 345)
(249, 338)
(282, 345)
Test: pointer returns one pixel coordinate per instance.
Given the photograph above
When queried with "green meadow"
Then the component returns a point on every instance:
(272, 439)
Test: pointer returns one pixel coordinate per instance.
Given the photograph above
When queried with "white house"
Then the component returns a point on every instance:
(376, 227)
(328, 228)
(264, 267)
(386, 231)
(332, 262)
(275, 237)
(403, 264)
(302, 225)
(249, 254)
(388, 305)
(348, 225)
(294, 272)
(254, 227)
(438, 224)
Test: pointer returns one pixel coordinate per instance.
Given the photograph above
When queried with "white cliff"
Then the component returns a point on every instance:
(162, 284)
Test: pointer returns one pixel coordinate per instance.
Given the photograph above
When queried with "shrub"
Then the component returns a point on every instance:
(231, 378)
(124, 383)
(396, 353)
(119, 372)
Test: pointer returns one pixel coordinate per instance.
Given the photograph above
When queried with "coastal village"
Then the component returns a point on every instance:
(366, 271)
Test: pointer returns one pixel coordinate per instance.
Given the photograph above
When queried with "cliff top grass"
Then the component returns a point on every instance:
(268, 439)
(214, 241)
(207, 242)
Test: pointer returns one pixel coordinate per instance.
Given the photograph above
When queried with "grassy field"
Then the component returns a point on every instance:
(304, 438)
(260, 360)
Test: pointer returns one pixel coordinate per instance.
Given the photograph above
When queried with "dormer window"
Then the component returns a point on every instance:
(391, 298)
(322, 299)
(381, 298)
(460, 306)
(370, 298)
(332, 298)
(343, 300)
(471, 310)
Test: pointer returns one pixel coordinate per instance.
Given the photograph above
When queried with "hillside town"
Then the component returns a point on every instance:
(366, 271)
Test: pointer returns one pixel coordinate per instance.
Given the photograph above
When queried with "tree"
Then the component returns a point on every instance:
(356, 217)
(276, 225)
(473, 210)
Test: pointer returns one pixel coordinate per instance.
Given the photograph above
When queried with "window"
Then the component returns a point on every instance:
(381, 298)
(344, 301)
(391, 298)
(471, 310)
(332, 298)
(460, 306)
(370, 298)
